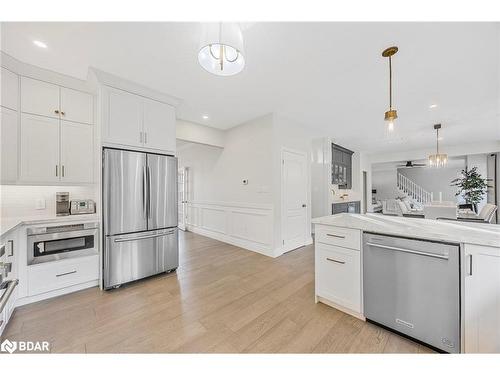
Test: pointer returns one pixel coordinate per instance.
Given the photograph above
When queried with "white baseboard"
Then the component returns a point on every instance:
(245, 244)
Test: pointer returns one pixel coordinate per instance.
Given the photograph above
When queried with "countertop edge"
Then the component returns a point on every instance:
(490, 239)
(15, 223)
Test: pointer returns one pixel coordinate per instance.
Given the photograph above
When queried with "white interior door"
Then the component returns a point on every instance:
(294, 199)
(182, 199)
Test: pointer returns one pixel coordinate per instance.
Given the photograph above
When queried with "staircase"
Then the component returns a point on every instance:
(414, 191)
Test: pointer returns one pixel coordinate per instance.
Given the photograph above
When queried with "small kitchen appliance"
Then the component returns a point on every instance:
(82, 206)
(62, 203)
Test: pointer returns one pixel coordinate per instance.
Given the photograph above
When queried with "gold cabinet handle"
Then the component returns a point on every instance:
(56, 170)
(56, 111)
(63, 170)
(63, 113)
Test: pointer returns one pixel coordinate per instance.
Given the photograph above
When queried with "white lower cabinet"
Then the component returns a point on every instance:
(482, 299)
(47, 277)
(10, 243)
(338, 277)
(39, 149)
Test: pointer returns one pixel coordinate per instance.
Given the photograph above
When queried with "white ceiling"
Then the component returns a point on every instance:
(329, 76)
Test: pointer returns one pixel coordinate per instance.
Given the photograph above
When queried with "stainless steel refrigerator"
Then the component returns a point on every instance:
(139, 215)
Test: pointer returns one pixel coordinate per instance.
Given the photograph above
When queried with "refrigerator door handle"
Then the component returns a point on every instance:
(148, 174)
(144, 192)
(138, 238)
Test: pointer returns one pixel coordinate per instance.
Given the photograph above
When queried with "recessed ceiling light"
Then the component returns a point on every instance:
(433, 106)
(39, 43)
(205, 117)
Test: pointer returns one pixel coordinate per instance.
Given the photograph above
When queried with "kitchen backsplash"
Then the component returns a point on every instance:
(21, 201)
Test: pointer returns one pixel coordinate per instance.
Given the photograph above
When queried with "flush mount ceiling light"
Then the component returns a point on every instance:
(205, 117)
(438, 160)
(391, 114)
(221, 49)
(40, 44)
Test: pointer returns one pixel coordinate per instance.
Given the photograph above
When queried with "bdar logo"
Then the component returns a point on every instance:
(8, 346)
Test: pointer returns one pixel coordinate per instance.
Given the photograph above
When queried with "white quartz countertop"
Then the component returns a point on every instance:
(437, 230)
(10, 223)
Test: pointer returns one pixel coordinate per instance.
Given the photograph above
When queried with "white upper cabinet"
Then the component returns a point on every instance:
(8, 145)
(482, 299)
(77, 156)
(39, 149)
(124, 122)
(76, 106)
(39, 98)
(10, 89)
(133, 120)
(47, 134)
(159, 125)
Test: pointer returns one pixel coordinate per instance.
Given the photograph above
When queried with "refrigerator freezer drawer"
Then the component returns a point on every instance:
(135, 256)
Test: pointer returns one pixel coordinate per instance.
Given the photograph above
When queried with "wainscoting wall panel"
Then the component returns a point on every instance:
(246, 225)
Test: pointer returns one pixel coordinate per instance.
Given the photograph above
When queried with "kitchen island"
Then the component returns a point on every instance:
(342, 262)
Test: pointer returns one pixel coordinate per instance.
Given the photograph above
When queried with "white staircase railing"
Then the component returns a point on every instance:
(410, 188)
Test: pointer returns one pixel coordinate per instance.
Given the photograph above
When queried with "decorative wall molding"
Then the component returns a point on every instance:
(249, 226)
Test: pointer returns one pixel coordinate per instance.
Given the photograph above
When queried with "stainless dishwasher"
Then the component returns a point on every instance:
(413, 287)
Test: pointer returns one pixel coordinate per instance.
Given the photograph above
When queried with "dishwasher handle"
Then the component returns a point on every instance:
(394, 248)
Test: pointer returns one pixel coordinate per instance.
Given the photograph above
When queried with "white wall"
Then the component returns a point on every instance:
(252, 152)
(385, 182)
(221, 206)
(217, 174)
(191, 132)
(437, 180)
(19, 201)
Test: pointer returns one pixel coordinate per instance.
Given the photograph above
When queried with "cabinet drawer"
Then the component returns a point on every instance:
(338, 236)
(338, 272)
(61, 274)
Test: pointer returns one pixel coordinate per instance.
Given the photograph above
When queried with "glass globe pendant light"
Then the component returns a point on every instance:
(221, 49)
(391, 115)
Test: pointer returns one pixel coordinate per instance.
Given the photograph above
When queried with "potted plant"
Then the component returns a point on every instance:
(471, 186)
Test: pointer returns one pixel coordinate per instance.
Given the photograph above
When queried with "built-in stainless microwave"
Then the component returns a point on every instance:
(46, 244)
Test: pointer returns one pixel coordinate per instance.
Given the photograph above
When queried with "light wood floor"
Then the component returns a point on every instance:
(223, 299)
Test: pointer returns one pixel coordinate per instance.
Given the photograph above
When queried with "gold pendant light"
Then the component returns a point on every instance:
(438, 160)
(391, 114)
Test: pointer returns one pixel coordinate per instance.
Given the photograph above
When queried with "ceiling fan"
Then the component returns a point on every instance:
(410, 164)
